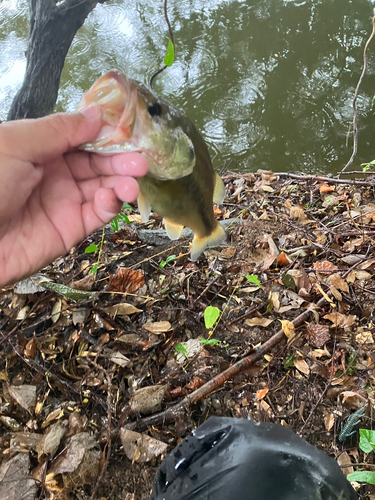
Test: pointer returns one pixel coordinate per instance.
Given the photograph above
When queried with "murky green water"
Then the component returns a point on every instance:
(269, 83)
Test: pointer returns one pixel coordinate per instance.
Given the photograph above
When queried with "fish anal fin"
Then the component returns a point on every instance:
(144, 207)
(219, 190)
(217, 237)
(173, 229)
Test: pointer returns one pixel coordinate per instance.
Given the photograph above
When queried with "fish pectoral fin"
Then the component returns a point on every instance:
(144, 207)
(219, 190)
(173, 230)
(217, 237)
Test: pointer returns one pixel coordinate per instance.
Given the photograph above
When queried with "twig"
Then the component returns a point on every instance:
(329, 180)
(355, 125)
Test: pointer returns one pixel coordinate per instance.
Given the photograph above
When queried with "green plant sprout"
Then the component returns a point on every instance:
(211, 315)
(121, 216)
(367, 445)
(367, 166)
(182, 349)
(163, 263)
(253, 278)
(210, 342)
(169, 56)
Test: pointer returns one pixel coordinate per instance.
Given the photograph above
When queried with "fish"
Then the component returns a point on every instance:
(181, 184)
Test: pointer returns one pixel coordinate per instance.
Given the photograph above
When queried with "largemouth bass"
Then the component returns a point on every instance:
(181, 184)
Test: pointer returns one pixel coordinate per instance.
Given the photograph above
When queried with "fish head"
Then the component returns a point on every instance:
(135, 119)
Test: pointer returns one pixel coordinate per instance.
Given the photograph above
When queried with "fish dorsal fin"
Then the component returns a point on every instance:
(217, 237)
(144, 207)
(173, 230)
(219, 190)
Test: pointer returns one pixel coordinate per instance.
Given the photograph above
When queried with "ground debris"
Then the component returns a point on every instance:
(91, 349)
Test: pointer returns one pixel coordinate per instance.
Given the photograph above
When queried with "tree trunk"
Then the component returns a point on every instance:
(52, 29)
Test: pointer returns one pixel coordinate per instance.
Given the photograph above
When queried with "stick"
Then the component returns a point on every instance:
(355, 126)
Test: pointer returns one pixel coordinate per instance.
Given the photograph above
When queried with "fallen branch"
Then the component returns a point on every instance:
(212, 385)
(329, 180)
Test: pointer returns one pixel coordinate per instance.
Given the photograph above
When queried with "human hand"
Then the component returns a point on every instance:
(52, 195)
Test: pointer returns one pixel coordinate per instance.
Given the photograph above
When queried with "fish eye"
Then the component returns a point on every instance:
(154, 109)
(192, 152)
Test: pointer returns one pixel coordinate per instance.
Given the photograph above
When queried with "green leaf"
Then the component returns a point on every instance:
(367, 440)
(114, 223)
(365, 476)
(163, 263)
(124, 218)
(253, 278)
(289, 363)
(288, 281)
(169, 57)
(126, 206)
(69, 293)
(182, 349)
(91, 248)
(211, 315)
(94, 269)
(210, 341)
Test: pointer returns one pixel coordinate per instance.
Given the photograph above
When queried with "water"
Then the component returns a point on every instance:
(269, 83)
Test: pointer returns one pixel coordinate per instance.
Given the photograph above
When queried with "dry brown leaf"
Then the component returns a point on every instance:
(217, 212)
(126, 280)
(329, 420)
(297, 213)
(345, 463)
(362, 275)
(72, 455)
(121, 310)
(325, 188)
(302, 366)
(157, 327)
(352, 399)
(15, 482)
(364, 338)
(119, 359)
(52, 439)
(335, 293)
(317, 335)
(140, 447)
(287, 327)
(25, 395)
(85, 284)
(338, 282)
(275, 301)
(261, 394)
(283, 260)
(340, 320)
(264, 322)
(147, 399)
(351, 276)
(324, 265)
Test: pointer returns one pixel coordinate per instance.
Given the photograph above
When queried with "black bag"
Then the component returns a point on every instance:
(236, 459)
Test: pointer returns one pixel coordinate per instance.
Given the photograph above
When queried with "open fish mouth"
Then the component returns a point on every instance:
(129, 125)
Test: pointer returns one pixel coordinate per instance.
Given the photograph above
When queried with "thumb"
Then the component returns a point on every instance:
(38, 140)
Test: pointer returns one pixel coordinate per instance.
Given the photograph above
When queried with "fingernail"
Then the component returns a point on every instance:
(92, 112)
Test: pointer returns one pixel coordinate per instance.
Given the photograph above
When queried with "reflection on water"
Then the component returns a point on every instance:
(268, 82)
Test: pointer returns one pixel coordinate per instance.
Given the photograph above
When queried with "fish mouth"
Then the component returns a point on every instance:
(127, 126)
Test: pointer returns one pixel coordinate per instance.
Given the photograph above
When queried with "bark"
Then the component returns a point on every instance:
(52, 29)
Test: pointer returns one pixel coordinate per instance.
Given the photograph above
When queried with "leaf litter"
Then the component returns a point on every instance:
(91, 360)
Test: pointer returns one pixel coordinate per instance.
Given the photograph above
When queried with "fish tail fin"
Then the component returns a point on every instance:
(217, 237)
